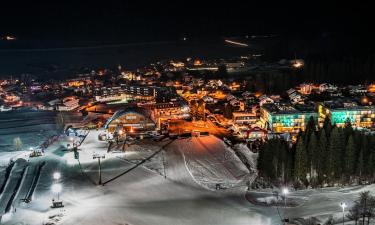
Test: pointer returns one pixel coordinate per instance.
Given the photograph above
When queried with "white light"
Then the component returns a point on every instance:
(56, 175)
(343, 205)
(56, 188)
(285, 191)
(31, 148)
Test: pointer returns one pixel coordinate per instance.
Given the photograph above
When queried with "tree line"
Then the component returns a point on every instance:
(326, 156)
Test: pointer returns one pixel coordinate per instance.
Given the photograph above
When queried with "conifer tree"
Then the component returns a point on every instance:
(313, 155)
(335, 154)
(322, 167)
(349, 157)
(300, 167)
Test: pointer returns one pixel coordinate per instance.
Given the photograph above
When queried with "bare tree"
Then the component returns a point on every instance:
(60, 121)
(17, 144)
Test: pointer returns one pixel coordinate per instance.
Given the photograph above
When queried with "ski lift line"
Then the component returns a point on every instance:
(30, 193)
(84, 174)
(128, 161)
(137, 165)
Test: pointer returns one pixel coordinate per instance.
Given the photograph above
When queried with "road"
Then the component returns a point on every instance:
(182, 126)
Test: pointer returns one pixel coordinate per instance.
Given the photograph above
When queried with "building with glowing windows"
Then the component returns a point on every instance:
(282, 118)
(132, 120)
(341, 111)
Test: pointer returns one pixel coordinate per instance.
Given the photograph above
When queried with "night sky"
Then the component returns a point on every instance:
(164, 20)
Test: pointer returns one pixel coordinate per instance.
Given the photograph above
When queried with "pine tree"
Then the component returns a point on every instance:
(310, 128)
(372, 151)
(365, 152)
(327, 125)
(322, 150)
(312, 154)
(348, 129)
(335, 154)
(300, 167)
(349, 157)
(360, 164)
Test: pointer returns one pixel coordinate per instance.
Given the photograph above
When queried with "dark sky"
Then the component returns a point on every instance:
(164, 20)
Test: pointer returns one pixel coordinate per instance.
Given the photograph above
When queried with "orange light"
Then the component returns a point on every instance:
(364, 100)
(371, 88)
(197, 62)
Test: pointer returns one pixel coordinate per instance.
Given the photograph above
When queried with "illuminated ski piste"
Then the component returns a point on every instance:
(144, 196)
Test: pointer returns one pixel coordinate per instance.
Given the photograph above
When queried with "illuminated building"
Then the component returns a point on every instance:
(371, 88)
(244, 118)
(341, 111)
(264, 99)
(197, 62)
(135, 120)
(327, 87)
(68, 104)
(166, 111)
(306, 88)
(286, 118)
(125, 93)
(178, 64)
(256, 133)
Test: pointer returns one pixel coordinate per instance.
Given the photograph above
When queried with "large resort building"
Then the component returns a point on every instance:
(147, 117)
(134, 120)
(281, 118)
(161, 112)
(342, 111)
(126, 93)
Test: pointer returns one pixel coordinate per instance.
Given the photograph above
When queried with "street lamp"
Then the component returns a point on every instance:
(343, 206)
(56, 176)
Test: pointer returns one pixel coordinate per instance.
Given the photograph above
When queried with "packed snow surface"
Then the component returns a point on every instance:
(176, 186)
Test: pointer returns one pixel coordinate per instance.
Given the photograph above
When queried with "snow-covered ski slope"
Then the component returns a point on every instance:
(144, 196)
(141, 196)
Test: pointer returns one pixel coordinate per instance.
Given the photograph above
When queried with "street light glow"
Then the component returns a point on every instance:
(343, 205)
(56, 188)
(285, 191)
(56, 175)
